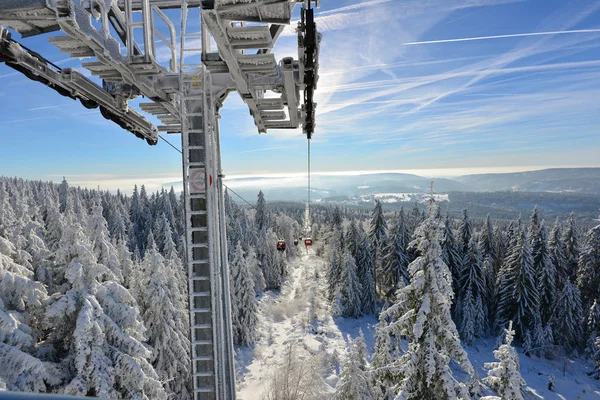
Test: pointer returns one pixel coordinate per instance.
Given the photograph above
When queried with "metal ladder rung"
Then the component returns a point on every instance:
(202, 326)
(201, 294)
(204, 374)
(202, 342)
(204, 390)
(201, 261)
(199, 246)
(196, 148)
(192, 49)
(197, 196)
(197, 114)
(203, 358)
(203, 310)
(201, 278)
(197, 213)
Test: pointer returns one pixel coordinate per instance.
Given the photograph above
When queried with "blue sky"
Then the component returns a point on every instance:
(405, 85)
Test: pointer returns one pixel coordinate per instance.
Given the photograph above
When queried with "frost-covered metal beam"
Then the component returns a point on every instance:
(71, 83)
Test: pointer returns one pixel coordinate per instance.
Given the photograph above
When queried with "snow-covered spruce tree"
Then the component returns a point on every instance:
(518, 296)
(593, 328)
(378, 239)
(166, 330)
(487, 247)
(96, 331)
(571, 246)
(557, 255)
(354, 383)
(245, 318)
(473, 292)
(366, 277)
(596, 358)
(350, 288)
(261, 217)
(546, 272)
(267, 259)
(588, 273)
(465, 231)
(534, 225)
(395, 257)
(102, 247)
(568, 317)
(256, 271)
(353, 239)
(451, 257)
(422, 314)
(504, 376)
(382, 379)
(63, 195)
(21, 301)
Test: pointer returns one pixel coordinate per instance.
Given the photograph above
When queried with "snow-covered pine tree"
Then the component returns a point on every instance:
(262, 214)
(378, 239)
(593, 329)
(354, 383)
(353, 239)
(487, 247)
(465, 231)
(267, 242)
(97, 232)
(21, 299)
(414, 220)
(473, 289)
(63, 196)
(336, 218)
(571, 246)
(333, 273)
(166, 329)
(568, 317)
(557, 255)
(245, 319)
(518, 295)
(504, 376)
(382, 379)
(422, 313)
(366, 277)
(395, 257)
(534, 225)
(588, 273)
(96, 331)
(256, 271)
(451, 257)
(546, 272)
(351, 287)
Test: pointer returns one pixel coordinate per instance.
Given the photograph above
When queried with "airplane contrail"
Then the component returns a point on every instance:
(470, 39)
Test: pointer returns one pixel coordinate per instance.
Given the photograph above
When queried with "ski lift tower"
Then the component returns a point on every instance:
(185, 57)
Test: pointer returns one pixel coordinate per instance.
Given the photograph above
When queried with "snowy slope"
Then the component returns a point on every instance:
(284, 321)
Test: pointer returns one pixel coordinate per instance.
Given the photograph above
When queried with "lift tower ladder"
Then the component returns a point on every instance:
(184, 94)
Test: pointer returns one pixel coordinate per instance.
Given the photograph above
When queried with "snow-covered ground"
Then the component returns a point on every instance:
(284, 321)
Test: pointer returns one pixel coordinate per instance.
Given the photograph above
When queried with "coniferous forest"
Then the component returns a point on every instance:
(93, 292)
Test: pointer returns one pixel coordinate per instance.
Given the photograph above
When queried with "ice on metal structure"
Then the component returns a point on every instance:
(123, 38)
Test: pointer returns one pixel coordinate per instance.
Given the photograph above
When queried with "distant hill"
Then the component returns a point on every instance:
(580, 180)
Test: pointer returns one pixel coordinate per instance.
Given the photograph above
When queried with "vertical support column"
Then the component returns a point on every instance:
(212, 354)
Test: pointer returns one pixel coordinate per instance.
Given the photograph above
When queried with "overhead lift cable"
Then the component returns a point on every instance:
(227, 187)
